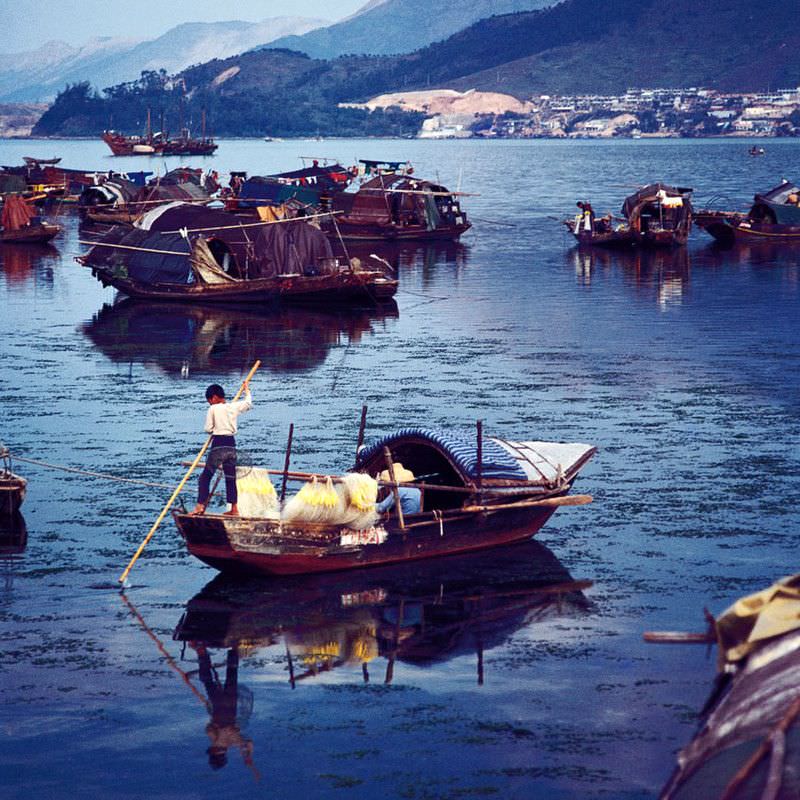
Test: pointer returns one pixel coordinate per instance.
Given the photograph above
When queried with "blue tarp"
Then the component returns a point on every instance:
(497, 463)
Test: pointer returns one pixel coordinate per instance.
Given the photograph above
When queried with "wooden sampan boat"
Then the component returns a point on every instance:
(747, 744)
(773, 217)
(12, 487)
(655, 216)
(473, 497)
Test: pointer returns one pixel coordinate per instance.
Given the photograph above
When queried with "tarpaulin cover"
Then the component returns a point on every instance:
(16, 213)
(258, 251)
(497, 463)
(143, 265)
(648, 194)
(290, 248)
(758, 617)
(777, 202)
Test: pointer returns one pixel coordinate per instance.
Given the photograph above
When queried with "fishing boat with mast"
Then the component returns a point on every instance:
(471, 494)
(159, 143)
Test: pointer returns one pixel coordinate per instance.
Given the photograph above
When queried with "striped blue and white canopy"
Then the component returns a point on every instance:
(502, 460)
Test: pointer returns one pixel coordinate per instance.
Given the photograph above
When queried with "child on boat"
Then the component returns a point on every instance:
(221, 422)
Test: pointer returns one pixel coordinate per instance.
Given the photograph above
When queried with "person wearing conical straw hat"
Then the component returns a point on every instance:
(221, 423)
(410, 496)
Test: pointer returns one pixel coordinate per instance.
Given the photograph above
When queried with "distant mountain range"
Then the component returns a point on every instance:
(575, 47)
(387, 27)
(40, 74)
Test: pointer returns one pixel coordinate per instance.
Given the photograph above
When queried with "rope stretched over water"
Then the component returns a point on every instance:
(90, 474)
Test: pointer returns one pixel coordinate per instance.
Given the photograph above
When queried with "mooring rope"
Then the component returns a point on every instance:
(90, 474)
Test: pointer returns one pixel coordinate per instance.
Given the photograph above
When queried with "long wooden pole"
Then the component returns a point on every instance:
(180, 486)
(395, 489)
(361, 428)
(286, 462)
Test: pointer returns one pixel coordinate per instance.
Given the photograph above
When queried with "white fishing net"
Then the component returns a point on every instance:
(257, 496)
(350, 502)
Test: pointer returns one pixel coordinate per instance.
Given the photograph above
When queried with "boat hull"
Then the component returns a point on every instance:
(728, 229)
(280, 548)
(631, 239)
(12, 493)
(30, 233)
(346, 286)
(396, 233)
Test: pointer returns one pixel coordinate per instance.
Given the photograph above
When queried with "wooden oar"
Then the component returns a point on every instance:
(181, 484)
(547, 502)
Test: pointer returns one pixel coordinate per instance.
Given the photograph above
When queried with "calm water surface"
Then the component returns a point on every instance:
(506, 674)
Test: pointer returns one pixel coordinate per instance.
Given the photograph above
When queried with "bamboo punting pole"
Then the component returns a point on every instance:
(286, 462)
(361, 429)
(253, 224)
(547, 502)
(395, 488)
(130, 247)
(480, 454)
(294, 475)
(180, 486)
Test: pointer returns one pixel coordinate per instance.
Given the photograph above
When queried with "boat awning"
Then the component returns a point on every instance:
(502, 460)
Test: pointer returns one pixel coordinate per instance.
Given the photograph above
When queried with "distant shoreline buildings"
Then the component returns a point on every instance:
(692, 112)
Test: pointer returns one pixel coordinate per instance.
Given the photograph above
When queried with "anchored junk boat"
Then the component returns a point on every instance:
(185, 252)
(475, 494)
(774, 216)
(656, 215)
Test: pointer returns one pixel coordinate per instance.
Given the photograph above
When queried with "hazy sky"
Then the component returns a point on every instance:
(26, 24)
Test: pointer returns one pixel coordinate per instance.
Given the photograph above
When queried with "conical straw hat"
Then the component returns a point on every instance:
(401, 474)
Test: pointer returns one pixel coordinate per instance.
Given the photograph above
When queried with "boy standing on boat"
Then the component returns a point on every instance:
(221, 422)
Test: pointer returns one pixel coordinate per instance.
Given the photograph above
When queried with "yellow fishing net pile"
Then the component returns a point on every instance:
(257, 496)
(351, 502)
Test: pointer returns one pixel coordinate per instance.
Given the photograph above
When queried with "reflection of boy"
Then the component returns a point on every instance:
(223, 730)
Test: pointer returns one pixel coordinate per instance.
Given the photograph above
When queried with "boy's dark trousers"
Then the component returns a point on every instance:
(221, 453)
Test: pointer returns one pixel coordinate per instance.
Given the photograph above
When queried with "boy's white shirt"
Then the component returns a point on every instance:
(221, 417)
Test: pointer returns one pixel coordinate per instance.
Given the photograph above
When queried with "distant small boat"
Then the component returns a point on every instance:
(12, 487)
(35, 162)
(757, 151)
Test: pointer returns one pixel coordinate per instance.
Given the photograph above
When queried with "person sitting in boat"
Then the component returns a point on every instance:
(585, 218)
(221, 423)
(410, 496)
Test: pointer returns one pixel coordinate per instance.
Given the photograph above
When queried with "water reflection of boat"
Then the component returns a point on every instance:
(13, 534)
(665, 270)
(747, 746)
(194, 339)
(19, 262)
(407, 256)
(417, 614)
